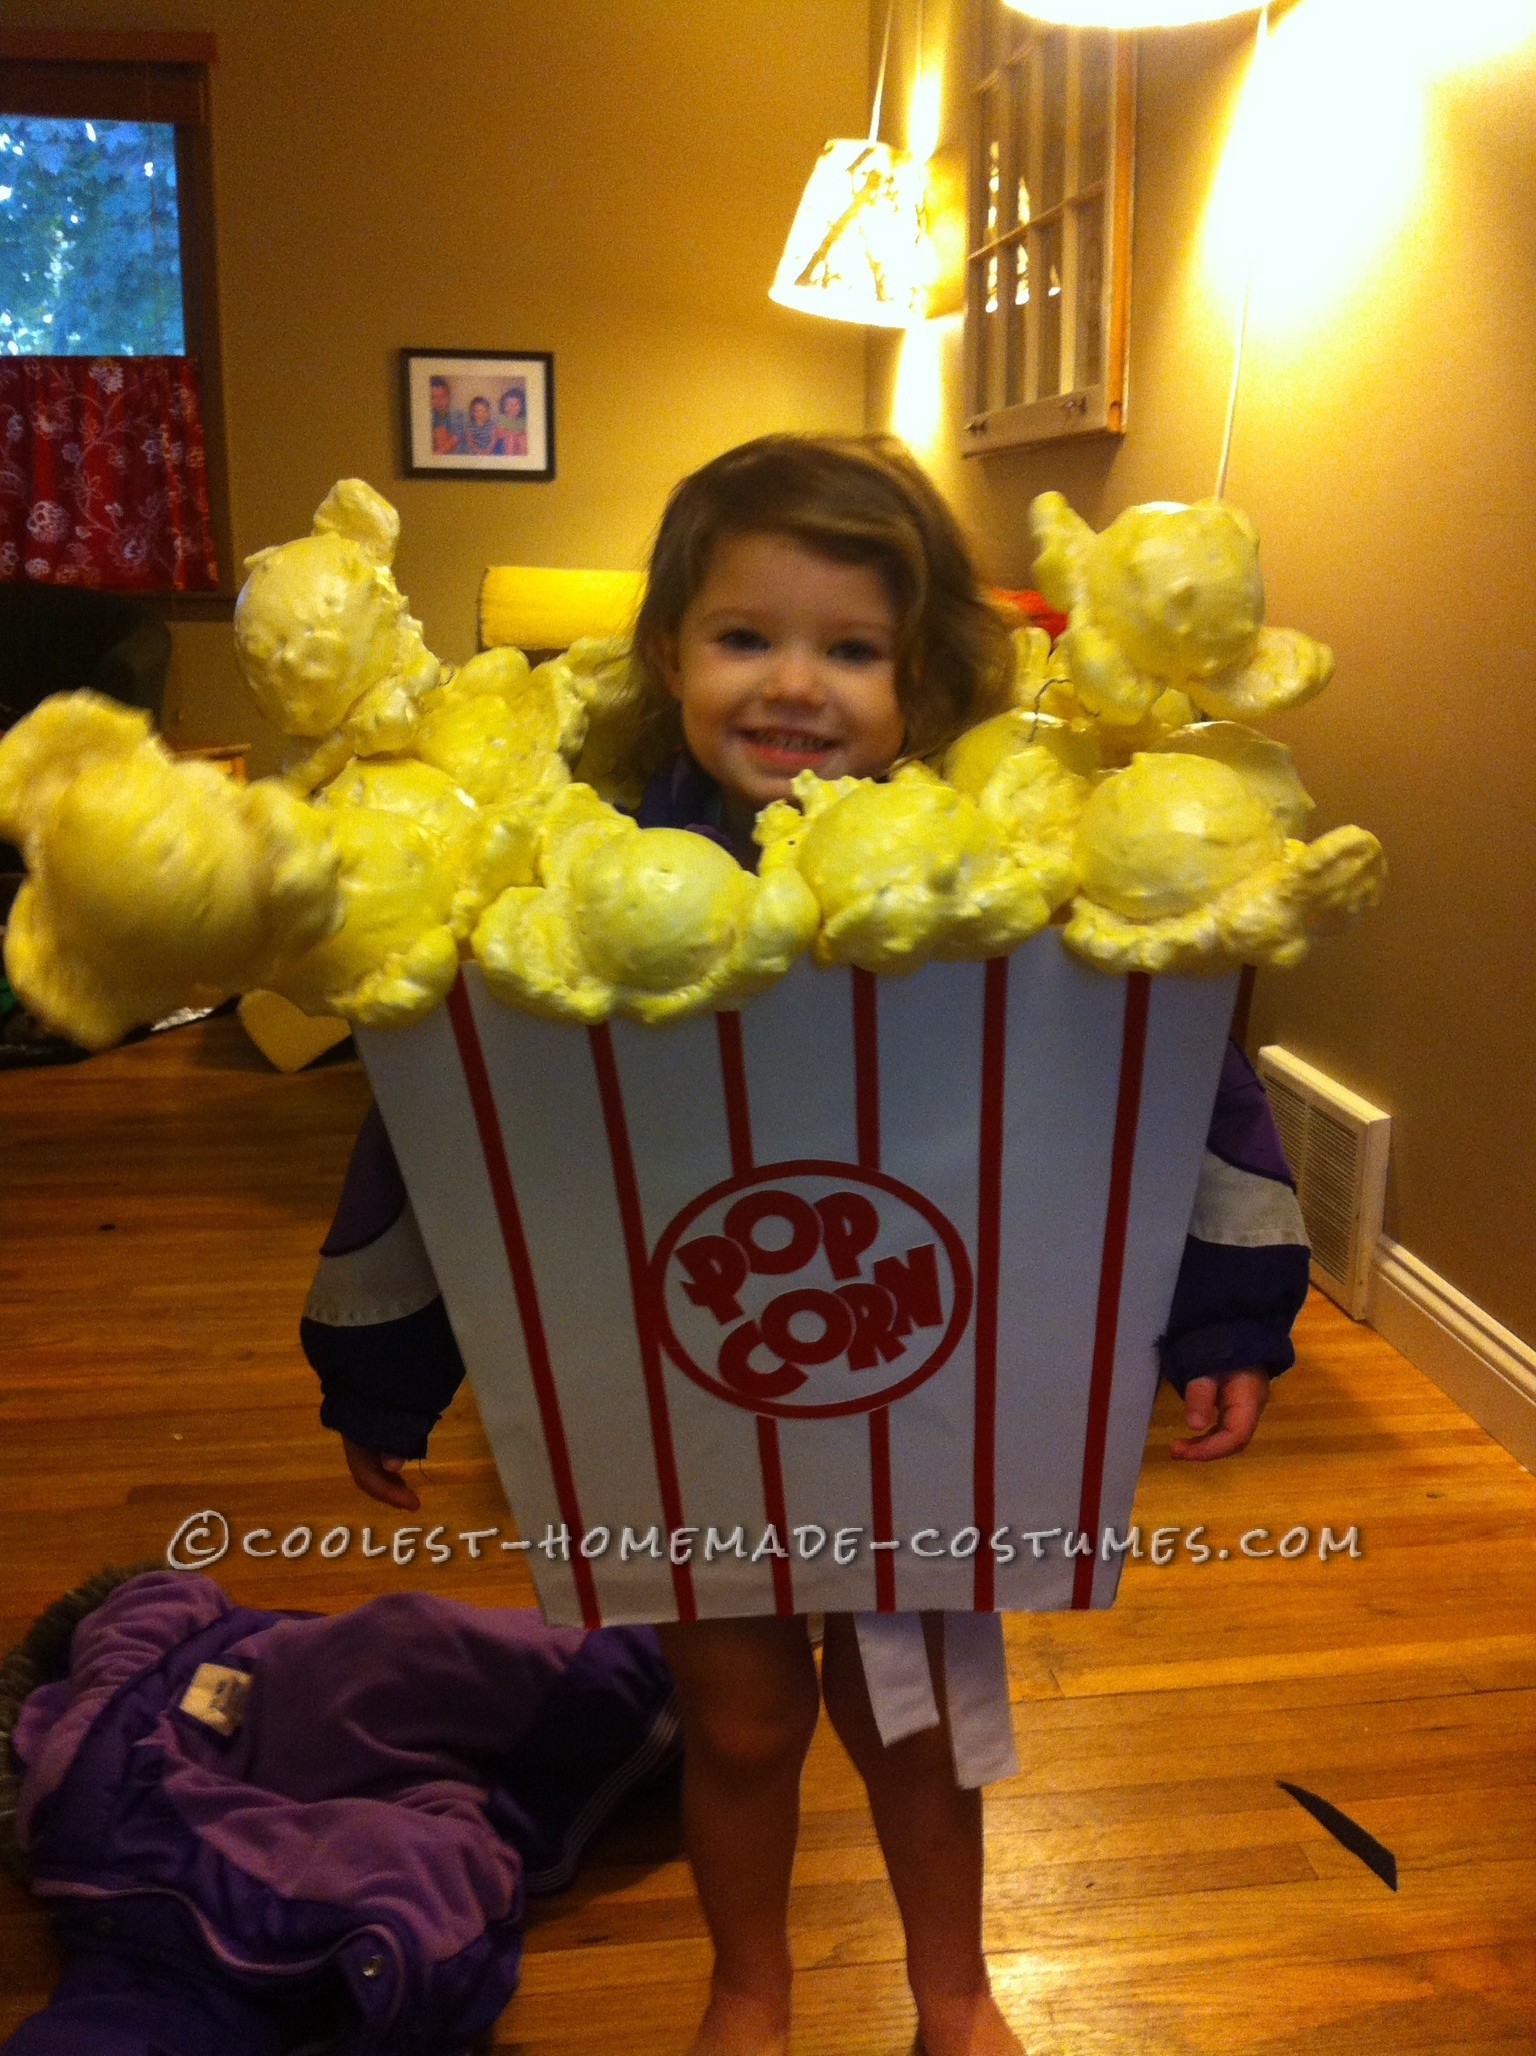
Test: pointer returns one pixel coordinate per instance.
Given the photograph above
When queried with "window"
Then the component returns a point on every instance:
(1048, 270)
(90, 239)
(112, 469)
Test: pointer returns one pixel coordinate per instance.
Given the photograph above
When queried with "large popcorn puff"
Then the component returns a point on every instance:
(395, 954)
(148, 880)
(501, 731)
(326, 643)
(1169, 598)
(911, 870)
(482, 850)
(1029, 774)
(1189, 862)
(419, 864)
(654, 923)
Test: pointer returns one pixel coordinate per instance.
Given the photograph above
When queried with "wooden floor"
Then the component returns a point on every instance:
(1153, 1891)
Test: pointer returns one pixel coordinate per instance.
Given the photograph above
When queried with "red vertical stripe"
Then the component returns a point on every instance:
(866, 1112)
(733, 1076)
(989, 1207)
(776, 1510)
(1133, 1049)
(866, 1069)
(627, 1191)
(882, 1508)
(494, 1148)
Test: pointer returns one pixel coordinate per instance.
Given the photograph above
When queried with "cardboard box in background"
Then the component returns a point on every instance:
(879, 1254)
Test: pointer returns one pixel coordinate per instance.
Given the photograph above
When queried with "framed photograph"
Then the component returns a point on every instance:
(480, 414)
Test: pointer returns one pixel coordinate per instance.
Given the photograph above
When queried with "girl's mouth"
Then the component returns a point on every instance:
(787, 749)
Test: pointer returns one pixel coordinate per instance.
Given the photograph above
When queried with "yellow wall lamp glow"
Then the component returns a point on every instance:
(858, 248)
(1130, 14)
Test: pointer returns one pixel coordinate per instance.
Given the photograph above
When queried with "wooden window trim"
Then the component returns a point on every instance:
(127, 77)
(1096, 409)
(126, 46)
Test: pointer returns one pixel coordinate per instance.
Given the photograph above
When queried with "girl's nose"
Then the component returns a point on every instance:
(796, 675)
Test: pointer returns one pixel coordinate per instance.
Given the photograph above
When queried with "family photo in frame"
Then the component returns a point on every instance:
(489, 414)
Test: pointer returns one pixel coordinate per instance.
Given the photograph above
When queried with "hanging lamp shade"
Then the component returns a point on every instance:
(1130, 14)
(858, 247)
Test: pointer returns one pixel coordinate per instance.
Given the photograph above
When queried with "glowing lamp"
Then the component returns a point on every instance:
(858, 247)
(1130, 14)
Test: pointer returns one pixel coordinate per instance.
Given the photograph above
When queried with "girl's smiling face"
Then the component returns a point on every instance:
(785, 661)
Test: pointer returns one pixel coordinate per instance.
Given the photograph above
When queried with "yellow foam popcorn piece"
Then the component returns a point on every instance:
(1169, 596)
(1186, 865)
(1170, 832)
(971, 760)
(287, 1037)
(419, 792)
(394, 955)
(1269, 917)
(325, 639)
(910, 870)
(1263, 764)
(501, 731)
(656, 923)
(52, 745)
(149, 881)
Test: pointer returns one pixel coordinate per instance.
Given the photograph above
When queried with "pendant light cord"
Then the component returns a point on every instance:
(885, 52)
(1256, 87)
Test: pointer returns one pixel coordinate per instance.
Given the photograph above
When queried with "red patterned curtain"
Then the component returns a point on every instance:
(103, 478)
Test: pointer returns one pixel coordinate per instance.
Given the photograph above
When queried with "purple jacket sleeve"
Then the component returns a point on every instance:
(374, 1325)
(1244, 1275)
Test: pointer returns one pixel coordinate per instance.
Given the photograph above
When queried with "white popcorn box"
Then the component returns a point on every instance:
(823, 1305)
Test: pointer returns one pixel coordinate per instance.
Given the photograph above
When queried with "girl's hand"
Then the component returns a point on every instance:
(1221, 1414)
(379, 1476)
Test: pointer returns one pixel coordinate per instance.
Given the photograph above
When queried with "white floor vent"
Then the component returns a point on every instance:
(1336, 1144)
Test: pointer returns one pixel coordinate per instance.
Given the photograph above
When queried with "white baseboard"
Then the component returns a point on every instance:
(1487, 1370)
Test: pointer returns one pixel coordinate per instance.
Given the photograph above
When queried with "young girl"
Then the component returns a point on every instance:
(811, 606)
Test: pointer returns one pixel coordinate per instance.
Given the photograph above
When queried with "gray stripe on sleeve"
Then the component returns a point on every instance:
(1243, 1209)
(383, 1281)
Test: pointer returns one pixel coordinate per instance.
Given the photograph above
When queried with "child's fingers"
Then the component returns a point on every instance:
(378, 1476)
(1221, 1415)
(1200, 1407)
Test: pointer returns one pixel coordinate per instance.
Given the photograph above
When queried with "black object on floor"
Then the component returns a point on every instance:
(1349, 1833)
(25, 1041)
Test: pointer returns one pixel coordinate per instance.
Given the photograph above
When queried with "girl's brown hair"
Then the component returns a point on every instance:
(859, 500)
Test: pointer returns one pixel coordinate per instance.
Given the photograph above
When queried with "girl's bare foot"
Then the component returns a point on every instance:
(965, 2025)
(741, 2024)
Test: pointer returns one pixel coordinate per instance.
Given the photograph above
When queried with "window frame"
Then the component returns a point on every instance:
(1097, 406)
(162, 78)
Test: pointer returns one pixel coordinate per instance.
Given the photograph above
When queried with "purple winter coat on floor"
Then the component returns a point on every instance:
(355, 1854)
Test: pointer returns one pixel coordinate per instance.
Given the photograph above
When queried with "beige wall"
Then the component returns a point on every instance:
(1386, 448)
(611, 180)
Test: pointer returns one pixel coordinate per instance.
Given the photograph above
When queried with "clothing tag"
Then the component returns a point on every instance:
(216, 1696)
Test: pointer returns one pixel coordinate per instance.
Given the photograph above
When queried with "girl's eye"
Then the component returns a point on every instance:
(745, 640)
(856, 651)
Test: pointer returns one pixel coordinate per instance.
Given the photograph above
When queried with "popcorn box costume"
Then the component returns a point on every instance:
(882, 1256)
(731, 1244)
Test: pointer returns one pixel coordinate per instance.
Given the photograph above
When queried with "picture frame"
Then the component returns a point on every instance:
(478, 414)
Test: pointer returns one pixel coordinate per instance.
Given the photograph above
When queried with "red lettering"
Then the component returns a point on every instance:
(849, 1224)
(804, 1231)
(736, 1370)
(875, 1329)
(836, 1326)
(913, 1282)
(717, 1270)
